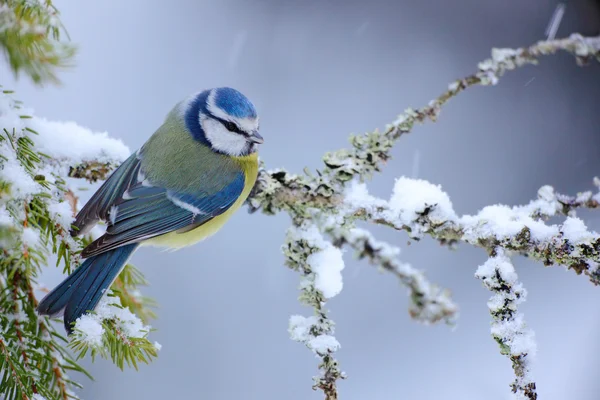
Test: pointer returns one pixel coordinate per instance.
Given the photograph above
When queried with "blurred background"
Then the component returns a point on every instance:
(318, 70)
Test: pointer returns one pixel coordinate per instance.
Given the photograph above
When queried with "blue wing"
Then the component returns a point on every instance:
(135, 210)
(112, 189)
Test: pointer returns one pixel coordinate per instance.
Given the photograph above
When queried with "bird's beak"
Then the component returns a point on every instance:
(256, 138)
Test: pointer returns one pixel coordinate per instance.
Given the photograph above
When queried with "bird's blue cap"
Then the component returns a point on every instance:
(234, 103)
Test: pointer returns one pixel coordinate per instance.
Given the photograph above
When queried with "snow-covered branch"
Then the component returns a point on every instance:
(320, 265)
(335, 197)
(516, 341)
(428, 302)
(421, 208)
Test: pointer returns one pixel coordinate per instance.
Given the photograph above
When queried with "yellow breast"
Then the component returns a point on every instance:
(176, 240)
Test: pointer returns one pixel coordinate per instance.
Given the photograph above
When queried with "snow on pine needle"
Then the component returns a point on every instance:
(38, 158)
(113, 331)
(89, 327)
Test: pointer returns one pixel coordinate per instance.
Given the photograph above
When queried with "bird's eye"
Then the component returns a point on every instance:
(230, 126)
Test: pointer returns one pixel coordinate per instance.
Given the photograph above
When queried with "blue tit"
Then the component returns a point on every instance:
(180, 187)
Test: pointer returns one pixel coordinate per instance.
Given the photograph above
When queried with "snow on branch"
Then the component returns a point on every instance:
(319, 264)
(508, 328)
(428, 302)
(334, 198)
(416, 208)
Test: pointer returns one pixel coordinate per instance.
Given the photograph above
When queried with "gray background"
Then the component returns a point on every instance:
(318, 70)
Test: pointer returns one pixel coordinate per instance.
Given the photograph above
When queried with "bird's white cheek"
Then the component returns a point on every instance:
(221, 139)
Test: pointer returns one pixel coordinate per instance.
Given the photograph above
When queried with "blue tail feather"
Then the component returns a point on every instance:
(81, 291)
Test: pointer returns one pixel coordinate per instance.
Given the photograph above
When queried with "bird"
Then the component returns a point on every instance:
(177, 189)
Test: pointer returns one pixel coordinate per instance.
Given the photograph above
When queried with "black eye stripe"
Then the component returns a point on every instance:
(230, 126)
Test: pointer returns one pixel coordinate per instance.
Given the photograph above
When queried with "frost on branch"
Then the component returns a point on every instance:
(516, 341)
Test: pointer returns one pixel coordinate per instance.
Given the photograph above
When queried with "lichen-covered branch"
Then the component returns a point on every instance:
(319, 264)
(325, 198)
(91, 171)
(279, 190)
(421, 208)
(567, 204)
(428, 302)
(516, 341)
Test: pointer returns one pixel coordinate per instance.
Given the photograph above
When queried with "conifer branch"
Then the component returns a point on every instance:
(11, 373)
(30, 34)
(36, 210)
(126, 287)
